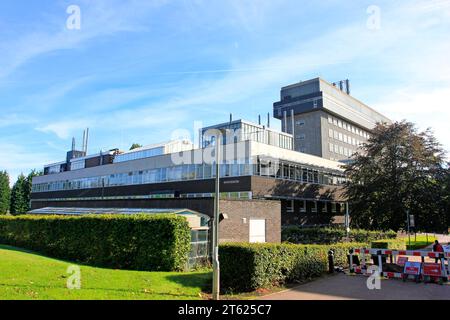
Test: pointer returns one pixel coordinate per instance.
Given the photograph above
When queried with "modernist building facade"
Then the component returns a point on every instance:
(325, 119)
(264, 182)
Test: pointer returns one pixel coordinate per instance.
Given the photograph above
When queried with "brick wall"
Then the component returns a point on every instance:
(237, 227)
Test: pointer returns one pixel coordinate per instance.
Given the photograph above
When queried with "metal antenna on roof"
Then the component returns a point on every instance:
(87, 139)
(83, 146)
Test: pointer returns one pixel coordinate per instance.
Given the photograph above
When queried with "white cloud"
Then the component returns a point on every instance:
(427, 109)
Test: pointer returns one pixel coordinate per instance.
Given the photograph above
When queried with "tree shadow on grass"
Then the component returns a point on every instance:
(201, 280)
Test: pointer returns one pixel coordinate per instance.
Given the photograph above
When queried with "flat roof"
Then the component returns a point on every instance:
(323, 81)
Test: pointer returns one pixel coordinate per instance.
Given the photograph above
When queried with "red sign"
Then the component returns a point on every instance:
(412, 268)
(402, 260)
(432, 269)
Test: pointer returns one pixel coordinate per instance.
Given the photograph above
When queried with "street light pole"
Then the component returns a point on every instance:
(216, 265)
(347, 221)
(408, 222)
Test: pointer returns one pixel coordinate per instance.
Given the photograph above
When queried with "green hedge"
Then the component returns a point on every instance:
(247, 267)
(136, 242)
(394, 244)
(296, 234)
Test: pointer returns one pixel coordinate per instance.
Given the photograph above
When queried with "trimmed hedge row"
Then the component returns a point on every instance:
(248, 267)
(394, 244)
(136, 242)
(296, 234)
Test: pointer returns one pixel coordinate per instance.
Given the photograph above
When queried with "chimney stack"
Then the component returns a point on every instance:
(83, 146)
(87, 139)
(268, 120)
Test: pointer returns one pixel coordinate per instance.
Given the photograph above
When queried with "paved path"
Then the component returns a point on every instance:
(344, 287)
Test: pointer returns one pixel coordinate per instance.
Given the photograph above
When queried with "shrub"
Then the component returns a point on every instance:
(137, 242)
(394, 244)
(296, 234)
(247, 267)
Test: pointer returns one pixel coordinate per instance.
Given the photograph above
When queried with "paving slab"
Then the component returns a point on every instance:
(354, 287)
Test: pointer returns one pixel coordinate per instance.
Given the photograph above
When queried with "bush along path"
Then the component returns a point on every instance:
(249, 267)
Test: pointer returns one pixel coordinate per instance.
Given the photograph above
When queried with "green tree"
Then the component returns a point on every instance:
(21, 193)
(135, 146)
(398, 170)
(19, 204)
(5, 192)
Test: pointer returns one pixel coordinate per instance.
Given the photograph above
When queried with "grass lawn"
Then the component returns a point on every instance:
(419, 241)
(26, 275)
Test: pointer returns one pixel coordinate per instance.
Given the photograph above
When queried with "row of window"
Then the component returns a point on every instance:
(343, 151)
(299, 173)
(333, 134)
(346, 126)
(314, 206)
(139, 155)
(243, 195)
(195, 172)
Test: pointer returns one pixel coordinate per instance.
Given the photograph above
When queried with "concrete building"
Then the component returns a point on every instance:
(264, 183)
(325, 120)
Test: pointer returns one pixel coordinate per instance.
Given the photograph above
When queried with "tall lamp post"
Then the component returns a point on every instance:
(216, 265)
(347, 221)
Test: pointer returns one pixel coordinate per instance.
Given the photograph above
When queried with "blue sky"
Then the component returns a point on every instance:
(138, 70)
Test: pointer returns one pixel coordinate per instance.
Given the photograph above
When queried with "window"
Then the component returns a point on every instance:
(54, 169)
(290, 206)
(314, 206)
(300, 122)
(341, 150)
(331, 147)
(339, 123)
(301, 136)
(335, 122)
(340, 137)
(336, 148)
(303, 206)
(333, 207)
(330, 120)
(76, 165)
(330, 133)
(336, 135)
